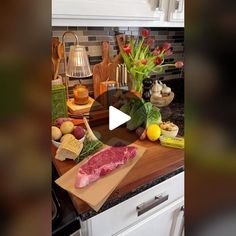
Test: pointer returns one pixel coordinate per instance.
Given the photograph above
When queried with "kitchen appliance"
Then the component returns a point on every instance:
(65, 220)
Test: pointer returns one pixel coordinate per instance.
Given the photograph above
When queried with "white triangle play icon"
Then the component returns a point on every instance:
(116, 118)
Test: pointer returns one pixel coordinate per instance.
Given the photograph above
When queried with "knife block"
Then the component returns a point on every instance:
(105, 88)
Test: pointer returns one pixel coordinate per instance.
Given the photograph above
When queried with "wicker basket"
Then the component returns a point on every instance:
(163, 101)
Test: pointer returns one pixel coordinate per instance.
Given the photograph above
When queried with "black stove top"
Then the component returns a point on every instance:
(65, 220)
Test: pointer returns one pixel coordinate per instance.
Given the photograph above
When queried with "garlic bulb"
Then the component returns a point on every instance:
(156, 87)
(162, 85)
(165, 89)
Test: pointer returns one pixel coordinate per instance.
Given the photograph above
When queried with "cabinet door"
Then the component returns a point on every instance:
(107, 9)
(176, 10)
(166, 222)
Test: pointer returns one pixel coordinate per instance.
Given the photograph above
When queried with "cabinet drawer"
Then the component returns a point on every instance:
(136, 208)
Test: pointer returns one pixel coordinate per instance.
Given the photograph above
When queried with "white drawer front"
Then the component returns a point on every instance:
(159, 223)
(124, 214)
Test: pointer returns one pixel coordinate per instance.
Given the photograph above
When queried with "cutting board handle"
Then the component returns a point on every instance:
(105, 51)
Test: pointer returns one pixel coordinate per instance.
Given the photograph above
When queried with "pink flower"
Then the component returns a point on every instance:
(157, 51)
(145, 33)
(144, 61)
(169, 52)
(127, 49)
(179, 64)
(166, 45)
(157, 61)
(150, 41)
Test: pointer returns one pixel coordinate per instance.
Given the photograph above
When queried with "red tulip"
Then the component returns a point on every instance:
(179, 64)
(150, 41)
(166, 45)
(127, 49)
(157, 61)
(145, 33)
(144, 61)
(169, 52)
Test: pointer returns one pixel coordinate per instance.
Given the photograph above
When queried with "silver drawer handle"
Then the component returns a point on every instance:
(144, 207)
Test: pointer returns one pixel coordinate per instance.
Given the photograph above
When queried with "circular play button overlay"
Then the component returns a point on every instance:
(126, 112)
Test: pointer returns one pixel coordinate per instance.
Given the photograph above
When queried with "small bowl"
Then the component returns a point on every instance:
(163, 101)
(57, 144)
(172, 133)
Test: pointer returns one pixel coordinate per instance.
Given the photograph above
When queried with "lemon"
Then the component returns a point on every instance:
(153, 132)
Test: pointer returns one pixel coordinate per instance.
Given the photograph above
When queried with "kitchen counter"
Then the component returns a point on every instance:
(157, 164)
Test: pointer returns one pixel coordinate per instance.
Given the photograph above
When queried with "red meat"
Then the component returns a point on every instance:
(102, 163)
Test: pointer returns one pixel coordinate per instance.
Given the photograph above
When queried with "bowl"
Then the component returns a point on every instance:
(169, 125)
(172, 133)
(163, 101)
(57, 144)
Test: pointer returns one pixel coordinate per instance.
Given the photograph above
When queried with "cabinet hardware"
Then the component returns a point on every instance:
(177, 5)
(159, 5)
(181, 231)
(144, 207)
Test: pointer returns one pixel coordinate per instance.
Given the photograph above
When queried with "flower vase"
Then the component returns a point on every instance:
(135, 84)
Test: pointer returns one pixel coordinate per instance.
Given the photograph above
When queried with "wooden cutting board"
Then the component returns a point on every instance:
(105, 70)
(96, 193)
(101, 70)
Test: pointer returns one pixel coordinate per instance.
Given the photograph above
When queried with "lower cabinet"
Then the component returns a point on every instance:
(166, 222)
(156, 211)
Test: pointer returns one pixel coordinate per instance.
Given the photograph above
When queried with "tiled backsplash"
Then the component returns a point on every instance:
(92, 37)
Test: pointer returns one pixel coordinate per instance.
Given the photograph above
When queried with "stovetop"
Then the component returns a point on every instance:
(65, 220)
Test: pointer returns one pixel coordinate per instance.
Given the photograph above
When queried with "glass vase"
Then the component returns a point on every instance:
(135, 83)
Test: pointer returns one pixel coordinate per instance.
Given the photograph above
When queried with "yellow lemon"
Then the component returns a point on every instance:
(153, 132)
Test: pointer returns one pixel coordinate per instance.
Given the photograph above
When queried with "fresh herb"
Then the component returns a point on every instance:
(90, 147)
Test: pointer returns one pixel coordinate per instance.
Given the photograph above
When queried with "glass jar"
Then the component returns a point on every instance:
(81, 94)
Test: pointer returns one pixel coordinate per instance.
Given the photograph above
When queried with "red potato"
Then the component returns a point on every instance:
(60, 120)
(78, 132)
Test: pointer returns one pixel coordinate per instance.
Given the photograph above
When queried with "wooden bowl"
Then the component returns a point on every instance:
(163, 101)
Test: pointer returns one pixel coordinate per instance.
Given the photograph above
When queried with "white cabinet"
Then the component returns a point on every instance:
(110, 13)
(106, 9)
(158, 209)
(166, 222)
(176, 11)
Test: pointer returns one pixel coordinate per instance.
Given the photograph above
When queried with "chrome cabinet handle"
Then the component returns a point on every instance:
(177, 5)
(181, 231)
(144, 207)
(157, 4)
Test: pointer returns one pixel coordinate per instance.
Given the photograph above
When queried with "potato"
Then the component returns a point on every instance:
(59, 121)
(67, 127)
(56, 133)
(78, 132)
(67, 137)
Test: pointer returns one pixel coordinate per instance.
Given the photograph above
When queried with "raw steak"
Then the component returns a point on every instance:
(102, 163)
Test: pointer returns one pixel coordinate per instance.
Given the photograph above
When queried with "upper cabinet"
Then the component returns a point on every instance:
(116, 13)
(176, 11)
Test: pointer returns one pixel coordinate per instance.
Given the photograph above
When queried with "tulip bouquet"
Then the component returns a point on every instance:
(142, 61)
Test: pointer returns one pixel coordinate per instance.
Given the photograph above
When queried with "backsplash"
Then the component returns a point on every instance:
(92, 37)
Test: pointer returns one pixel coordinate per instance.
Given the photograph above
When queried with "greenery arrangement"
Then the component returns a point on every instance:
(141, 60)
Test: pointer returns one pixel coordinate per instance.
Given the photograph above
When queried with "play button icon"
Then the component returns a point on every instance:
(115, 122)
(117, 118)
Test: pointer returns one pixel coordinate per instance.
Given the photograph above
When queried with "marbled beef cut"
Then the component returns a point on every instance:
(102, 163)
